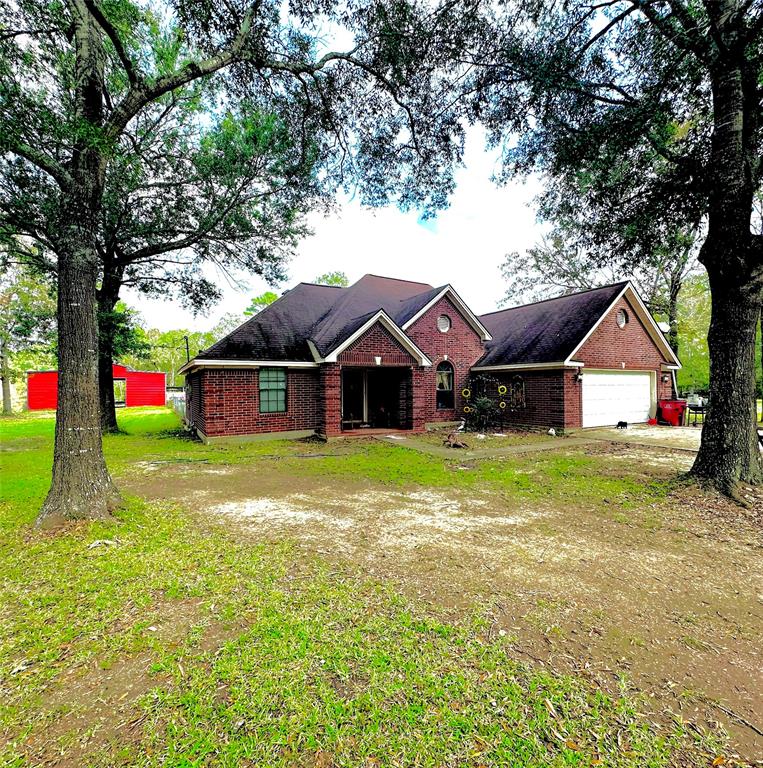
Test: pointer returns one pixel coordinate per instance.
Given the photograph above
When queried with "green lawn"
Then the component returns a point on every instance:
(249, 654)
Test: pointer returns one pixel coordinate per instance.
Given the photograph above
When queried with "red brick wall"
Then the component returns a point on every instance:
(665, 390)
(573, 400)
(461, 344)
(377, 341)
(544, 398)
(609, 346)
(230, 403)
(329, 400)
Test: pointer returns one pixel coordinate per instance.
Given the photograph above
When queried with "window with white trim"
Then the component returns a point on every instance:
(445, 399)
(443, 323)
(272, 390)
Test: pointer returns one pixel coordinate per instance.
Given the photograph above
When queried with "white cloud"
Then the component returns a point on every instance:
(464, 245)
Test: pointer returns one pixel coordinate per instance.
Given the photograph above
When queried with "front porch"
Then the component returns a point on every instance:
(376, 400)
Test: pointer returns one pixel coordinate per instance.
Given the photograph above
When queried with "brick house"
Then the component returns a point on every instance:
(394, 354)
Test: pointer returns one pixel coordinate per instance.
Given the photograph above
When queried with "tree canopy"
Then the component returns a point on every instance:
(258, 303)
(645, 118)
(78, 79)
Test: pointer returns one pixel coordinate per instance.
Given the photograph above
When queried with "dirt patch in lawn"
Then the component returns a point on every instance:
(95, 707)
(665, 593)
(488, 440)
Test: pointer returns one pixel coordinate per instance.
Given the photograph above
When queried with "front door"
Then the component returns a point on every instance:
(354, 409)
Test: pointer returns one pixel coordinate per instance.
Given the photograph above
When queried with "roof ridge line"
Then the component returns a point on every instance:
(555, 298)
(396, 279)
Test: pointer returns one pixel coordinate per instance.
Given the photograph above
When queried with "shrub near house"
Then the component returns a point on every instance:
(393, 354)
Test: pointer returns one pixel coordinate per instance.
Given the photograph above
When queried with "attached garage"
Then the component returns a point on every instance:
(612, 396)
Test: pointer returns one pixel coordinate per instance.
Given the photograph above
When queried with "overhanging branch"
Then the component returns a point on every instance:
(116, 41)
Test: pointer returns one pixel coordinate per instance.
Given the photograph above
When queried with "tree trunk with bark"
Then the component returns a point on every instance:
(733, 257)
(5, 374)
(81, 486)
(729, 451)
(108, 295)
(674, 289)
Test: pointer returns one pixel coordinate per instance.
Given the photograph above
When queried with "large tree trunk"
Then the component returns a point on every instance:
(729, 451)
(733, 257)
(5, 374)
(81, 485)
(107, 403)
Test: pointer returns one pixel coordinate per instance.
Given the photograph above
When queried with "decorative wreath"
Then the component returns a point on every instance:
(502, 404)
(467, 409)
(502, 390)
(466, 392)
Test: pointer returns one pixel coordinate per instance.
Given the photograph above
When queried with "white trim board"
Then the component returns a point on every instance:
(529, 366)
(385, 320)
(469, 316)
(198, 363)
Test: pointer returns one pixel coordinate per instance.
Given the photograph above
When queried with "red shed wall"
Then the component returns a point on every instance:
(42, 390)
(229, 403)
(144, 388)
(463, 346)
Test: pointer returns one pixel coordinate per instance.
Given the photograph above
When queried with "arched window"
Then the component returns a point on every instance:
(445, 386)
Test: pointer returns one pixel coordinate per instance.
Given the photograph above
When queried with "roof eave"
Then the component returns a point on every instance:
(528, 366)
(200, 363)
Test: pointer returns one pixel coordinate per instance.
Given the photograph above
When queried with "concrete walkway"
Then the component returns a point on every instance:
(683, 439)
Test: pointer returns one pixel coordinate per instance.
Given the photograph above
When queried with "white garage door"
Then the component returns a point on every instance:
(612, 396)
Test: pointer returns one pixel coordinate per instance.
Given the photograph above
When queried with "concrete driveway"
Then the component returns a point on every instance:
(683, 438)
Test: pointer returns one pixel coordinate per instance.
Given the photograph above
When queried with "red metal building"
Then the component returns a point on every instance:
(139, 387)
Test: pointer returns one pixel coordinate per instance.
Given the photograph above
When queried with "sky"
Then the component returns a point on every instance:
(464, 246)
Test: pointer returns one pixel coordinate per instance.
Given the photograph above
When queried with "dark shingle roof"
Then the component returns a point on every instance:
(326, 315)
(546, 331)
(400, 299)
(280, 331)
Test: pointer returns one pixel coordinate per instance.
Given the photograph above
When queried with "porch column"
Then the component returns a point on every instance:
(330, 397)
(420, 383)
